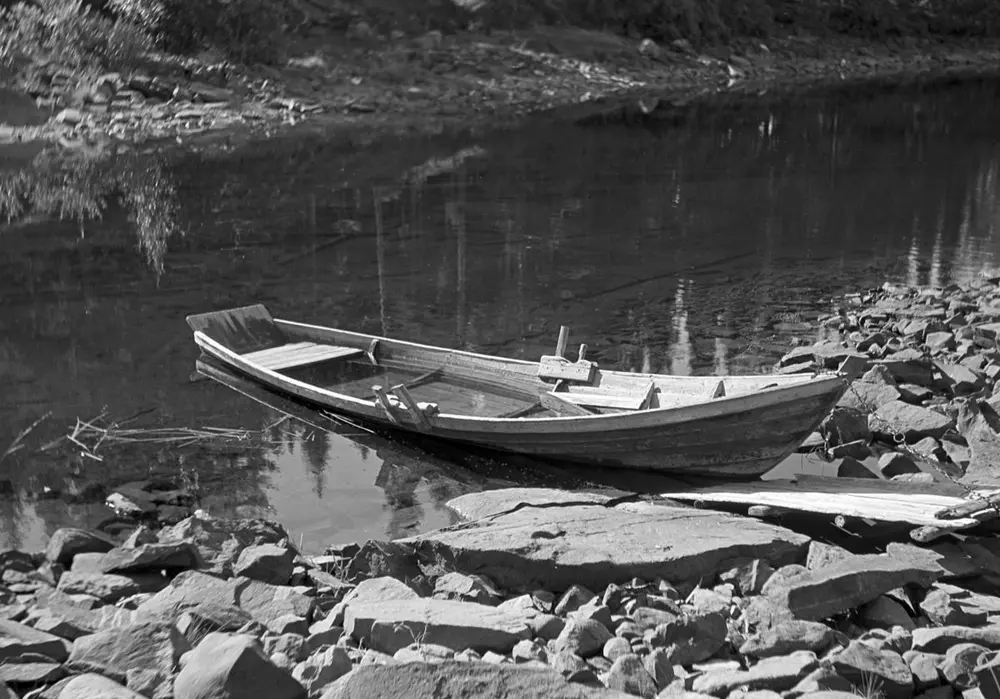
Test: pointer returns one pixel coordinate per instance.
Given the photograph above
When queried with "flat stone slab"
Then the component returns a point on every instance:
(477, 505)
(388, 626)
(458, 680)
(554, 547)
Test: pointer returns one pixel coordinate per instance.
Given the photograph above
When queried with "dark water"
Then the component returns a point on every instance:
(701, 240)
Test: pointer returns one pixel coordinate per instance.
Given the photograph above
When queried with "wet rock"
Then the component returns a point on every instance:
(585, 553)
(884, 613)
(628, 675)
(692, 638)
(466, 588)
(939, 640)
(233, 667)
(777, 674)
(322, 668)
(583, 637)
(458, 680)
(220, 541)
(859, 663)
(924, 667)
(144, 646)
(150, 557)
(788, 637)
(109, 588)
(959, 665)
(389, 626)
(849, 583)
(65, 543)
(94, 686)
(268, 563)
(911, 421)
(17, 640)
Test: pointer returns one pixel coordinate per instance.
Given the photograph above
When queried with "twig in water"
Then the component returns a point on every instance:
(17, 443)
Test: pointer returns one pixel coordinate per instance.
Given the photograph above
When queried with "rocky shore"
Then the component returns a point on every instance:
(539, 593)
(927, 404)
(431, 82)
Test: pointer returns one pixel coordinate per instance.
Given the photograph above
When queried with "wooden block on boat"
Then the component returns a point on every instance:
(553, 367)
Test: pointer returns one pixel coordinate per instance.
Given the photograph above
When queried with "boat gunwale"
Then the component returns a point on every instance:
(811, 387)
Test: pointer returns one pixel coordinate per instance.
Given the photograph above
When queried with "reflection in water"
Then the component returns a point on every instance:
(700, 239)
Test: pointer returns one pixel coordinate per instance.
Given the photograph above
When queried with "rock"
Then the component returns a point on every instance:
(583, 637)
(65, 543)
(959, 665)
(473, 506)
(939, 640)
(628, 675)
(897, 639)
(267, 604)
(859, 663)
(777, 674)
(574, 598)
(852, 468)
(822, 554)
(594, 611)
(648, 618)
(924, 667)
(391, 625)
(220, 541)
(458, 680)
(289, 623)
(822, 681)
(787, 637)
(940, 341)
(70, 117)
(466, 588)
(233, 667)
(322, 668)
(979, 423)
(94, 686)
(660, 667)
(29, 670)
(749, 577)
(584, 552)
(849, 583)
(150, 683)
(911, 421)
(895, 464)
(694, 638)
(616, 647)
(45, 620)
(427, 653)
(152, 646)
(843, 426)
(705, 601)
(107, 587)
(18, 640)
(525, 651)
(960, 379)
(944, 608)
(269, 563)
(395, 559)
(868, 397)
(150, 558)
(188, 590)
(884, 613)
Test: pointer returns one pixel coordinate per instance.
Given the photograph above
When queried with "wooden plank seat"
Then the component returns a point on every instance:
(296, 354)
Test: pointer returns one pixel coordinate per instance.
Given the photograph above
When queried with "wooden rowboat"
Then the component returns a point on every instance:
(722, 426)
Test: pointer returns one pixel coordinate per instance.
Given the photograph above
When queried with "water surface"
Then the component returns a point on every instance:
(703, 239)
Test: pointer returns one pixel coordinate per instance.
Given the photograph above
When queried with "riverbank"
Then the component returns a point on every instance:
(219, 608)
(434, 82)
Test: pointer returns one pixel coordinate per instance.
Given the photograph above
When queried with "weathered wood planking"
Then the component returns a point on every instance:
(743, 434)
(552, 367)
(883, 501)
(296, 354)
(240, 329)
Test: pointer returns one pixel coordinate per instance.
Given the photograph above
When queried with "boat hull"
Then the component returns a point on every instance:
(738, 436)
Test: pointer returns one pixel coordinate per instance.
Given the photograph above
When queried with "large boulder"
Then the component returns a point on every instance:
(460, 680)
(233, 667)
(152, 646)
(187, 590)
(65, 543)
(582, 544)
(389, 626)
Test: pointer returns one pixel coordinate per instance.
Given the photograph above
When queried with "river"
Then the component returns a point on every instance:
(703, 238)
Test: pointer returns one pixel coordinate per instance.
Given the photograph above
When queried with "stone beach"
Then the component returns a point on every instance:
(547, 593)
